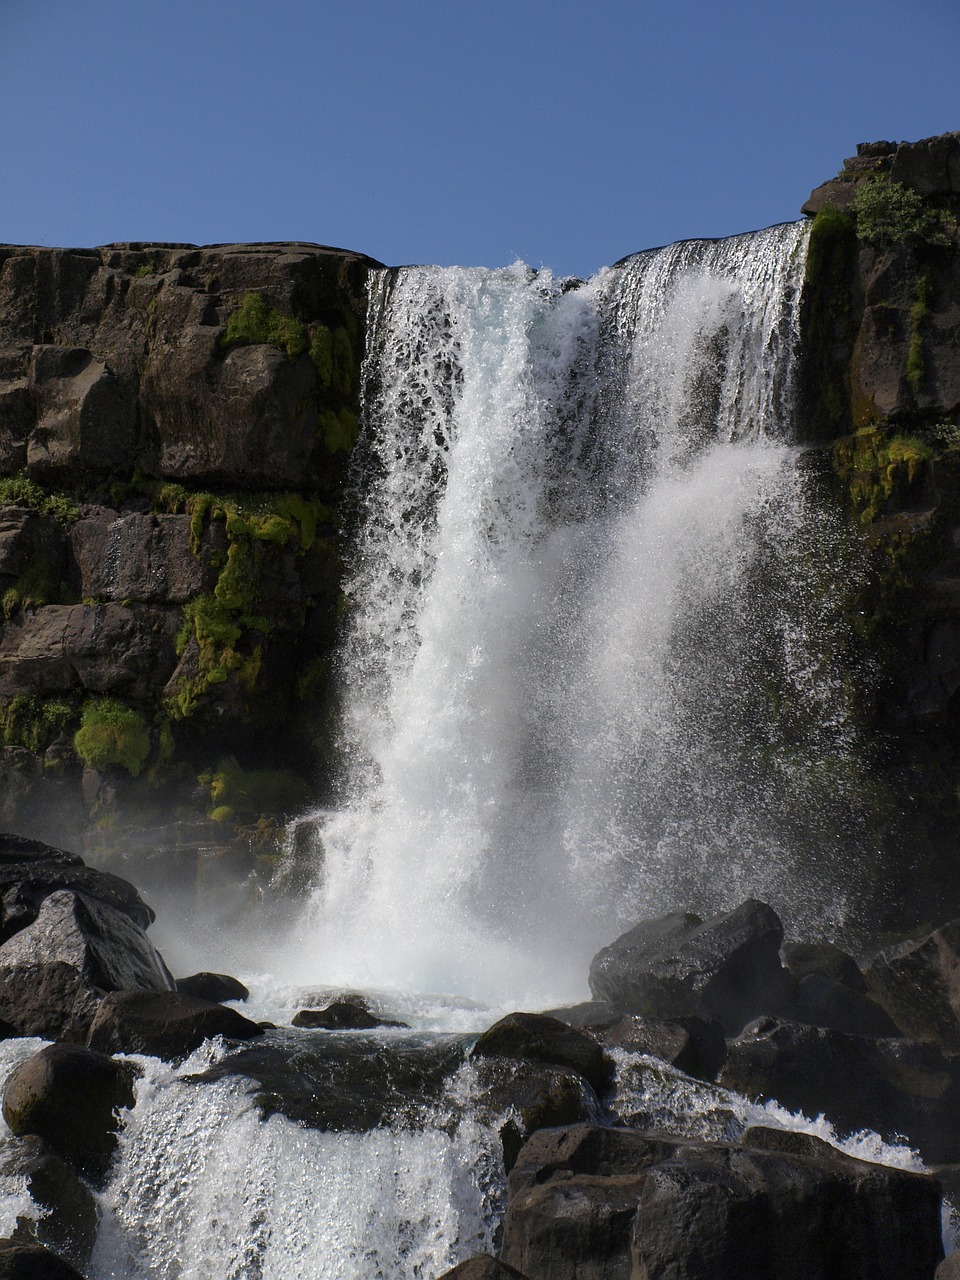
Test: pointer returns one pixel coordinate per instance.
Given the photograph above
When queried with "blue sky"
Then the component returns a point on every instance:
(566, 134)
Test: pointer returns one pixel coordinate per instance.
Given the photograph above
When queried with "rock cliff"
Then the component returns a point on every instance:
(174, 427)
(881, 403)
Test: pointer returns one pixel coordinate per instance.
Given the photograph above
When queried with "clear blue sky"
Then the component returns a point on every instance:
(565, 133)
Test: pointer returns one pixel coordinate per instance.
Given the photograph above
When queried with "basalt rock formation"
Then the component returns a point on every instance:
(880, 397)
(174, 427)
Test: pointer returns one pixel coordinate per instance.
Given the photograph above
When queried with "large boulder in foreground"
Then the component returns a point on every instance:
(164, 1024)
(71, 1097)
(33, 1262)
(604, 1204)
(54, 972)
(894, 1086)
(482, 1267)
(727, 967)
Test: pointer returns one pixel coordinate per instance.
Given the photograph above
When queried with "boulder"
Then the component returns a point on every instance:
(693, 1045)
(33, 1262)
(949, 1268)
(344, 1084)
(482, 1267)
(918, 984)
(70, 1097)
(598, 1204)
(727, 967)
(71, 1216)
(53, 973)
(825, 960)
(164, 1024)
(342, 1015)
(212, 986)
(540, 1038)
(24, 887)
(894, 1086)
(521, 1096)
(824, 1002)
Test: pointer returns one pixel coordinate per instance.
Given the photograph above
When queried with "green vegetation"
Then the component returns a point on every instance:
(887, 212)
(111, 733)
(20, 490)
(241, 794)
(873, 464)
(34, 722)
(253, 321)
(37, 585)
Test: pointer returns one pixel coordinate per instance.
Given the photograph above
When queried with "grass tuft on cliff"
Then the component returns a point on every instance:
(111, 733)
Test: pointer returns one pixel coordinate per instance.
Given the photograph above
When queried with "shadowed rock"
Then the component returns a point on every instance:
(33, 1262)
(540, 1038)
(727, 967)
(593, 1204)
(342, 1015)
(482, 1267)
(71, 1098)
(212, 986)
(164, 1024)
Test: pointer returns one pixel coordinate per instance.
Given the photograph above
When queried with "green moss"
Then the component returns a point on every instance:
(887, 212)
(37, 585)
(34, 722)
(111, 733)
(340, 430)
(250, 793)
(873, 464)
(254, 321)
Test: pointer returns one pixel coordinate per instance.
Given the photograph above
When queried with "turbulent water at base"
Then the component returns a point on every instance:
(587, 671)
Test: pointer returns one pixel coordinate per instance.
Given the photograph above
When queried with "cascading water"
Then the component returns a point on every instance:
(585, 567)
(588, 676)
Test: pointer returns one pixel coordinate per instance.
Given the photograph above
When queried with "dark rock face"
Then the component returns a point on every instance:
(71, 1215)
(174, 428)
(33, 1262)
(164, 1024)
(727, 967)
(893, 1086)
(212, 986)
(595, 1204)
(71, 1097)
(918, 984)
(693, 1045)
(482, 1267)
(540, 1038)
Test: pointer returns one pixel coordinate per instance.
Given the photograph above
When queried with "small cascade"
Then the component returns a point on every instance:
(589, 591)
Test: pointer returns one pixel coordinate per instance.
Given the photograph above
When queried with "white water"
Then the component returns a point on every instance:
(586, 561)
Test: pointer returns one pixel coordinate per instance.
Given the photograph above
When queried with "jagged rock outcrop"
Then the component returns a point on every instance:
(174, 427)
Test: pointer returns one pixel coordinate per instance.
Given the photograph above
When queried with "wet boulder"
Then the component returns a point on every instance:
(164, 1024)
(539, 1038)
(71, 1215)
(824, 959)
(918, 984)
(53, 972)
(344, 1084)
(342, 1015)
(71, 1097)
(482, 1267)
(693, 1045)
(594, 1204)
(727, 967)
(33, 1262)
(891, 1085)
(212, 986)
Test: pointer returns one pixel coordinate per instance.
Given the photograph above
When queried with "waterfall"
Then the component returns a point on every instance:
(586, 567)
